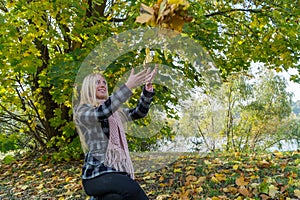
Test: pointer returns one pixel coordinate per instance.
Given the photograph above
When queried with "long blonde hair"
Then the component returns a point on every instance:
(87, 96)
(88, 89)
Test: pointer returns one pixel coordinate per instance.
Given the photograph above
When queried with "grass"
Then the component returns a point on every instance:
(186, 176)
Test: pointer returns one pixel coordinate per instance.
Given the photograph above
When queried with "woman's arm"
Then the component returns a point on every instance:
(142, 107)
(89, 115)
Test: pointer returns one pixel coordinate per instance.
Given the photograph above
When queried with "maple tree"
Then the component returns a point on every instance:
(43, 44)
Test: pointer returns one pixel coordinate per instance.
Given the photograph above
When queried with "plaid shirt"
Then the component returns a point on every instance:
(93, 123)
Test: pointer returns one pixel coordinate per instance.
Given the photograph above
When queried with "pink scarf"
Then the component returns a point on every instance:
(117, 154)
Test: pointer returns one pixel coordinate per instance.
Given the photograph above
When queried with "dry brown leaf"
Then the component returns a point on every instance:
(264, 197)
(143, 18)
(241, 181)
(230, 189)
(190, 179)
(176, 23)
(146, 9)
(244, 191)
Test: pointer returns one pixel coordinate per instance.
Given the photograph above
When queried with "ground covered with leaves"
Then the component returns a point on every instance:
(191, 176)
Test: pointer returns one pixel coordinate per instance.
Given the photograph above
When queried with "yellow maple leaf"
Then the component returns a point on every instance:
(235, 167)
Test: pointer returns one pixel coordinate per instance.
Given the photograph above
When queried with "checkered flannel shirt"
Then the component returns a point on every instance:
(93, 122)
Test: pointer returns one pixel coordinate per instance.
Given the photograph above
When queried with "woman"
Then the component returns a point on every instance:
(107, 172)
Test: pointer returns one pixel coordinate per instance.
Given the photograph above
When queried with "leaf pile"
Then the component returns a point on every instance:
(226, 176)
(219, 176)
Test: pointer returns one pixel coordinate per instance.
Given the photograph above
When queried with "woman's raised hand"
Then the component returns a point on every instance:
(142, 77)
(148, 85)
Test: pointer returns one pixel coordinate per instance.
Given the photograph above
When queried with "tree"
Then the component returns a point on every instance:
(264, 114)
(244, 114)
(43, 43)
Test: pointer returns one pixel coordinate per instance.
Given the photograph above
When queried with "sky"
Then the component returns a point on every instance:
(292, 86)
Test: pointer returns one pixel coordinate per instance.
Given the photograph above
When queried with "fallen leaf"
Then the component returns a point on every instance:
(241, 181)
(235, 167)
(264, 197)
(220, 177)
(297, 193)
(273, 191)
(68, 179)
(244, 191)
(190, 179)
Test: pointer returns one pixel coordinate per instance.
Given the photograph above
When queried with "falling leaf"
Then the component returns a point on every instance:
(146, 9)
(148, 57)
(170, 14)
(143, 18)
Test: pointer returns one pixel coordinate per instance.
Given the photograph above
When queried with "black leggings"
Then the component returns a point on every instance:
(112, 186)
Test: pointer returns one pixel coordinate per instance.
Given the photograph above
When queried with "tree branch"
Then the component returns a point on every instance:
(233, 10)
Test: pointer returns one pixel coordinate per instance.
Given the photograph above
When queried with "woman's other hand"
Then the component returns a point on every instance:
(138, 79)
(148, 85)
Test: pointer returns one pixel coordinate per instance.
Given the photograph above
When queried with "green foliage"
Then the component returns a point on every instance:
(248, 115)
(7, 160)
(70, 151)
(43, 44)
(9, 142)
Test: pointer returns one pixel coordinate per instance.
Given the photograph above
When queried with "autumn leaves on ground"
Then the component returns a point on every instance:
(215, 176)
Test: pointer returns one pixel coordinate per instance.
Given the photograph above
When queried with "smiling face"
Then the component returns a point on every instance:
(101, 88)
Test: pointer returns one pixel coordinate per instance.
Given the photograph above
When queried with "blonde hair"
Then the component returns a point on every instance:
(88, 89)
(87, 96)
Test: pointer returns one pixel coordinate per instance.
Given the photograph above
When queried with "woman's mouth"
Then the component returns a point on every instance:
(102, 90)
